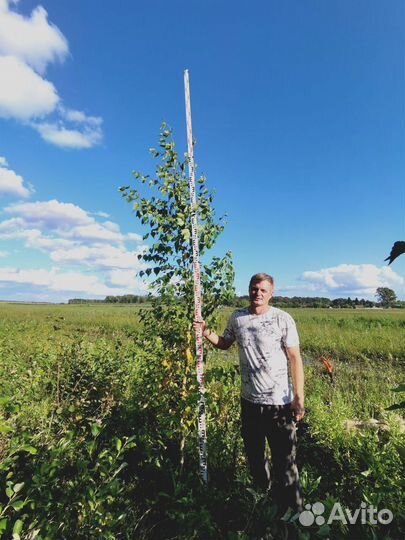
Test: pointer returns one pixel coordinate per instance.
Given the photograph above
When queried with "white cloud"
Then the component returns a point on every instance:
(63, 137)
(79, 117)
(91, 256)
(34, 277)
(101, 214)
(14, 229)
(134, 237)
(52, 214)
(121, 258)
(35, 240)
(12, 183)
(3, 253)
(111, 226)
(107, 257)
(125, 278)
(24, 94)
(62, 282)
(97, 233)
(32, 39)
(10, 227)
(66, 220)
(352, 279)
(27, 46)
(76, 281)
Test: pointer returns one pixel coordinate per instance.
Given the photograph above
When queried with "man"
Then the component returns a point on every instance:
(269, 355)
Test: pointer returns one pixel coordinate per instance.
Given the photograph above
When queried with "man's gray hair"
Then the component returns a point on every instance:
(261, 277)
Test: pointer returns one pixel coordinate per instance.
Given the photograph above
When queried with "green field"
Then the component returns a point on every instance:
(85, 454)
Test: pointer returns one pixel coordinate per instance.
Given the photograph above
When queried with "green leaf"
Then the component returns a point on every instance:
(4, 428)
(91, 446)
(29, 449)
(18, 505)
(95, 429)
(118, 445)
(18, 525)
(18, 487)
(3, 524)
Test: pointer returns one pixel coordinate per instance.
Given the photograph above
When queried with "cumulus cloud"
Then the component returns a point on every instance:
(125, 278)
(90, 255)
(134, 237)
(23, 93)
(27, 46)
(111, 226)
(12, 183)
(15, 229)
(106, 257)
(62, 282)
(98, 233)
(52, 214)
(12, 228)
(66, 220)
(70, 235)
(64, 137)
(352, 280)
(34, 239)
(79, 117)
(32, 39)
(15, 275)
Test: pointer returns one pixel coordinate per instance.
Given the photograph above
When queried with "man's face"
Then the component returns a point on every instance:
(260, 293)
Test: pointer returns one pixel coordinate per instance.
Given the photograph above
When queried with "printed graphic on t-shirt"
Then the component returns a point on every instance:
(262, 342)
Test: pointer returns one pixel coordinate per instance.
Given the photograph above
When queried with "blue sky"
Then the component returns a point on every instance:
(299, 115)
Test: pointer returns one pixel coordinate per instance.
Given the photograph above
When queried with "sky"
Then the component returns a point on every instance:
(299, 120)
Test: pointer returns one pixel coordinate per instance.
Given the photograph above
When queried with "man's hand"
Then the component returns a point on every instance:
(204, 328)
(297, 375)
(298, 408)
(218, 341)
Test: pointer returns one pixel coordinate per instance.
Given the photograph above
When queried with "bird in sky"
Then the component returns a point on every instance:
(397, 249)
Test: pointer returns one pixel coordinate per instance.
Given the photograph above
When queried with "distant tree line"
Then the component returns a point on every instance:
(124, 299)
(385, 298)
(322, 302)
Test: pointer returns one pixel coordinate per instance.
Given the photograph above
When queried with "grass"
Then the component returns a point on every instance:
(84, 356)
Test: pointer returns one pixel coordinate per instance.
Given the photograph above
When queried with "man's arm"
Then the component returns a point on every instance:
(219, 342)
(297, 374)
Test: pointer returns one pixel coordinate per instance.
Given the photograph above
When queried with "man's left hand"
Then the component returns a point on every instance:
(298, 408)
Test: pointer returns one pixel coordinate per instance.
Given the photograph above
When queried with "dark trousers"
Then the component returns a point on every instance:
(276, 424)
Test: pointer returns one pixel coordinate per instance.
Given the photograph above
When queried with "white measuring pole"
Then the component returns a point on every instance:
(202, 426)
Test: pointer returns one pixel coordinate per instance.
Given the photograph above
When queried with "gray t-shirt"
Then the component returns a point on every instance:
(262, 341)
